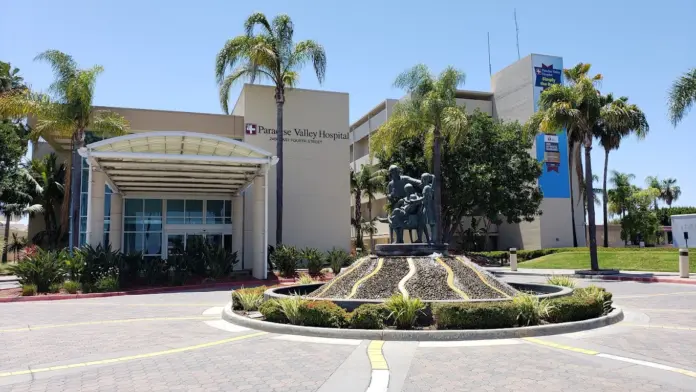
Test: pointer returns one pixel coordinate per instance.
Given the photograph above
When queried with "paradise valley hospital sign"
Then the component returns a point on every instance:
(296, 135)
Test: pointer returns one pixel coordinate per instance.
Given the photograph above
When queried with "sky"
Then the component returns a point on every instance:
(160, 55)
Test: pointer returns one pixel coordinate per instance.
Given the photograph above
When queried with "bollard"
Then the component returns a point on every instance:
(683, 263)
(513, 259)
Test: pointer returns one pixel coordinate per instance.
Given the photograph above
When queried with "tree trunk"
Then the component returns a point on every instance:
(369, 216)
(280, 101)
(437, 202)
(75, 185)
(592, 232)
(358, 221)
(572, 198)
(604, 199)
(67, 193)
(6, 244)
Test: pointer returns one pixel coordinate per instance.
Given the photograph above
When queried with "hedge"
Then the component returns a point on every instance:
(472, 315)
(271, 312)
(369, 316)
(575, 308)
(323, 314)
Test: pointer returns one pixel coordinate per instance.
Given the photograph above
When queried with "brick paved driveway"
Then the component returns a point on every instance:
(164, 342)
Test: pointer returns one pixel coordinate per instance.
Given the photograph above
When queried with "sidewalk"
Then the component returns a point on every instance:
(8, 278)
(636, 276)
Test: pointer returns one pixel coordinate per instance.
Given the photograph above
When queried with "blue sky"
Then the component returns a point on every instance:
(160, 55)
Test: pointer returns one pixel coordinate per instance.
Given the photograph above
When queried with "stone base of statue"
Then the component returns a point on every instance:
(407, 250)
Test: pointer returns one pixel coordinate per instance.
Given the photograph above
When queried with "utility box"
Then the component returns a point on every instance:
(684, 231)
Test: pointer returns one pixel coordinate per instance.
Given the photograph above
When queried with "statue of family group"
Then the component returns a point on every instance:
(410, 210)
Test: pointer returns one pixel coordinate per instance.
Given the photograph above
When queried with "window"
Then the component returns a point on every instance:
(142, 226)
(194, 212)
(175, 212)
(198, 212)
(84, 197)
(214, 212)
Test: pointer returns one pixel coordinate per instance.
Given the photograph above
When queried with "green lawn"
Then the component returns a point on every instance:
(638, 260)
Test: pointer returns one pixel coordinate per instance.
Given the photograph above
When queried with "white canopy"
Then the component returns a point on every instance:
(177, 162)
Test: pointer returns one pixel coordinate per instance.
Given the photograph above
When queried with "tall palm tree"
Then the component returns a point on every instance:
(619, 119)
(654, 183)
(269, 54)
(576, 107)
(682, 96)
(10, 80)
(66, 112)
(430, 110)
(18, 243)
(670, 191)
(622, 190)
(370, 181)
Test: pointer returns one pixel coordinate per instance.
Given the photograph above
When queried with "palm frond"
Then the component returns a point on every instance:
(108, 124)
(230, 55)
(305, 51)
(238, 75)
(257, 18)
(682, 95)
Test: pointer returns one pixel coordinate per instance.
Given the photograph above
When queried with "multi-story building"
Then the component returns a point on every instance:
(514, 94)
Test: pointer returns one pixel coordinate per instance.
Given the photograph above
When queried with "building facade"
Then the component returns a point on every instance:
(514, 95)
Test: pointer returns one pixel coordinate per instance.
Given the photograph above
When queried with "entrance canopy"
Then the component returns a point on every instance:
(177, 162)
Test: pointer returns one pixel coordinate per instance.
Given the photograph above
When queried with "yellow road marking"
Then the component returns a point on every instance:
(483, 279)
(334, 280)
(47, 326)
(450, 279)
(132, 357)
(561, 346)
(362, 280)
(677, 327)
(374, 353)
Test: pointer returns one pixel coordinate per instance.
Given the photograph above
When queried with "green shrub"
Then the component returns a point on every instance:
(175, 269)
(314, 259)
(305, 279)
(54, 288)
(285, 258)
(41, 269)
(98, 262)
(597, 293)
(28, 290)
(322, 314)
(369, 316)
(292, 308)
(472, 315)
(404, 311)
(575, 308)
(530, 309)
(561, 280)
(220, 262)
(247, 299)
(338, 258)
(272, 312)
(71, 287)
(107, 284)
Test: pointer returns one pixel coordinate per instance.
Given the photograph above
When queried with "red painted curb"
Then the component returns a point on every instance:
(153, 290)
(646, 279)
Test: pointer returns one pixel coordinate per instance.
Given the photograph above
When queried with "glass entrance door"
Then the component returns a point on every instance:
(177, 242)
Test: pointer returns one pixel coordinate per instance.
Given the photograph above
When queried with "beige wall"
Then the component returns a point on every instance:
(473, 104)
(316, 184)
(145, 120)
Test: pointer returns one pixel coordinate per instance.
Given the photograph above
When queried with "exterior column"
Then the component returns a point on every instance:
(116, 232)
(95, 211)
(259, 228)
(238, 226)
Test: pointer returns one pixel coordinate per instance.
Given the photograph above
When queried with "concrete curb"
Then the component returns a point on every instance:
(394, 335)
(623, 278)
(153, 290)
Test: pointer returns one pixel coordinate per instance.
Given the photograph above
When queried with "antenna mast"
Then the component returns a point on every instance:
(517, 35)
(490, 70)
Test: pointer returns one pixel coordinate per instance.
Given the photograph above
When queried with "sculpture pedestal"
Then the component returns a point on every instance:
(410, 249)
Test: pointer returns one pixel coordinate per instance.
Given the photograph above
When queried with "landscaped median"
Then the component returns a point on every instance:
(401, 318)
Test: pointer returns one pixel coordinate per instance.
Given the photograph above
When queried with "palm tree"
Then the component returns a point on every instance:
(356, 221)
(620, 194)
(10, 80)
(66, 112)
(430, 110)
(654, 183)
(669, 191)
(682, 96)
(619, 119)
(47, 177)
(577, 108)
(18, 243)
(269, 54)
(369, 180)
(16, 203)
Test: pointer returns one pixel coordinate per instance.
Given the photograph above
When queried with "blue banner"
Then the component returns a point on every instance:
(552, 148)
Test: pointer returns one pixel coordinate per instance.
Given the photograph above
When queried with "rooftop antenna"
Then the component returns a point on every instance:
(490, 71)
(517, 35)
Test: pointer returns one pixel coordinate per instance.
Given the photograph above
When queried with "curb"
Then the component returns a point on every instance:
(643, 279)
(153, 290)
(443, 335)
